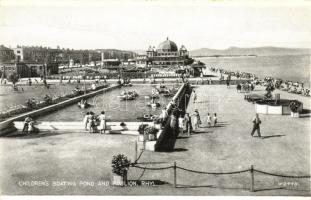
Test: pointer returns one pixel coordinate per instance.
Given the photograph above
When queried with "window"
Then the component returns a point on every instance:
(18, 51)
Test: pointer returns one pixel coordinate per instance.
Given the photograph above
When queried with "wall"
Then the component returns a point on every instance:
(167, 138)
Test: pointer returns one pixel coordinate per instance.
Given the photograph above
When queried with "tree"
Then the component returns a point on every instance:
(13, 78)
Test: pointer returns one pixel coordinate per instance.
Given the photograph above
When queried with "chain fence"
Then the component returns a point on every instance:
(251, 171)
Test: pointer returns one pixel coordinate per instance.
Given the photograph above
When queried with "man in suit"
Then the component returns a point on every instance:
(256, 125)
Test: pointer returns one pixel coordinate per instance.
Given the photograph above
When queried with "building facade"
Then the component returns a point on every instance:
(167, 54)
(28, 69)
(36, 54)
(6, 54)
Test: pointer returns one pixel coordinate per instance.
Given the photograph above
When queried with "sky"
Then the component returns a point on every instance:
(136, 24)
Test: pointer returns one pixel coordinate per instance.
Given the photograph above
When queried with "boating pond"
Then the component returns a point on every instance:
(115, 109)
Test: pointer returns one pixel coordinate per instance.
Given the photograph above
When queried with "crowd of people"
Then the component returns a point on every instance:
(284, 85)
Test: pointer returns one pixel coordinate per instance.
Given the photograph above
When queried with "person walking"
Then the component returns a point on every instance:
(256, 125)
(102, 122)
(209, 120)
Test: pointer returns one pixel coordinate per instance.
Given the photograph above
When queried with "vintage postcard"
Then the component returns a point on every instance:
(154, 97)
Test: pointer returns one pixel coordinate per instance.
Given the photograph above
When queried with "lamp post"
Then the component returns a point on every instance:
(84, 82)
(186, 95)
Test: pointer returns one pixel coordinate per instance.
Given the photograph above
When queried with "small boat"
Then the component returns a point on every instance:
(127, 84)
(168, 93)
(153, 96)
(83, 105)
(132, 93)
(153, 105)
(146, 118)
(127, 97)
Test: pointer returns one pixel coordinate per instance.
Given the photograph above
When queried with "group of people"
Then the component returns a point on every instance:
(284, 85)
(34, 103)
(93, 123)
(237, 74)
(245, 87)
(193, 122)
(211, 120)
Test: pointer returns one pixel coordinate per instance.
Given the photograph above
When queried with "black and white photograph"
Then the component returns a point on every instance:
(155, 98)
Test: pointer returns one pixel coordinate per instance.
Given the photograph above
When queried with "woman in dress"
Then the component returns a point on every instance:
(102, 122)
(85, 119)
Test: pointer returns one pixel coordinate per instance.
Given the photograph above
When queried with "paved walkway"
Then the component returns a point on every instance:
(285, 149)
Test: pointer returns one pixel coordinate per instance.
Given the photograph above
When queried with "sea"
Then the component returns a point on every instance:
(286, 67)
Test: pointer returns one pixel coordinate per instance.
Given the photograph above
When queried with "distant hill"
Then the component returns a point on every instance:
(258, 51)
(139, 51)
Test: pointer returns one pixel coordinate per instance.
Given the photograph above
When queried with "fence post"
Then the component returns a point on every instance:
(135, 151)
(175, 175)
(252, 178)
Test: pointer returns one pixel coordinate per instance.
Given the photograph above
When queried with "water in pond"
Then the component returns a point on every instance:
(116, 110)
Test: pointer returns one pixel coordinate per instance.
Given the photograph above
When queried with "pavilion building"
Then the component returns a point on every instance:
(166, 54)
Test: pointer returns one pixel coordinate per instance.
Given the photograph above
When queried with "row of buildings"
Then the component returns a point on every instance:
(31, 61)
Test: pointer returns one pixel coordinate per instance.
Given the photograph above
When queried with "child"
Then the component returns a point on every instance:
(85, 119)
(30, 127)
(209, 120)
(215, 119)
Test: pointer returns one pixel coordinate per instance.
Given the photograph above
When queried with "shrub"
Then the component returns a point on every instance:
(150, 130)
(141, 128)
(294, 105)
(120, 164)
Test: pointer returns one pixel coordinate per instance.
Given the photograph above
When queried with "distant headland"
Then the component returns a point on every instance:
(248, 52)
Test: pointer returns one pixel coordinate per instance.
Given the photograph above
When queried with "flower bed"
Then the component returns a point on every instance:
(282, 107)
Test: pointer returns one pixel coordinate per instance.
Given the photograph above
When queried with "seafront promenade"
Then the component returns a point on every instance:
(83, 158)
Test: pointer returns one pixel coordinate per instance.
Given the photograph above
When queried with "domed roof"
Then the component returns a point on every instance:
(167, 45)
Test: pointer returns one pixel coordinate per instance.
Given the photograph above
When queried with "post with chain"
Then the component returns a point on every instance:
(175, 175)
(252, 178)
(135, 151)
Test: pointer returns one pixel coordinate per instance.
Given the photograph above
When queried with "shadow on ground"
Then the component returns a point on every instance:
(180, 149)
(271, 136)
(20, 135)
(305, 113)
